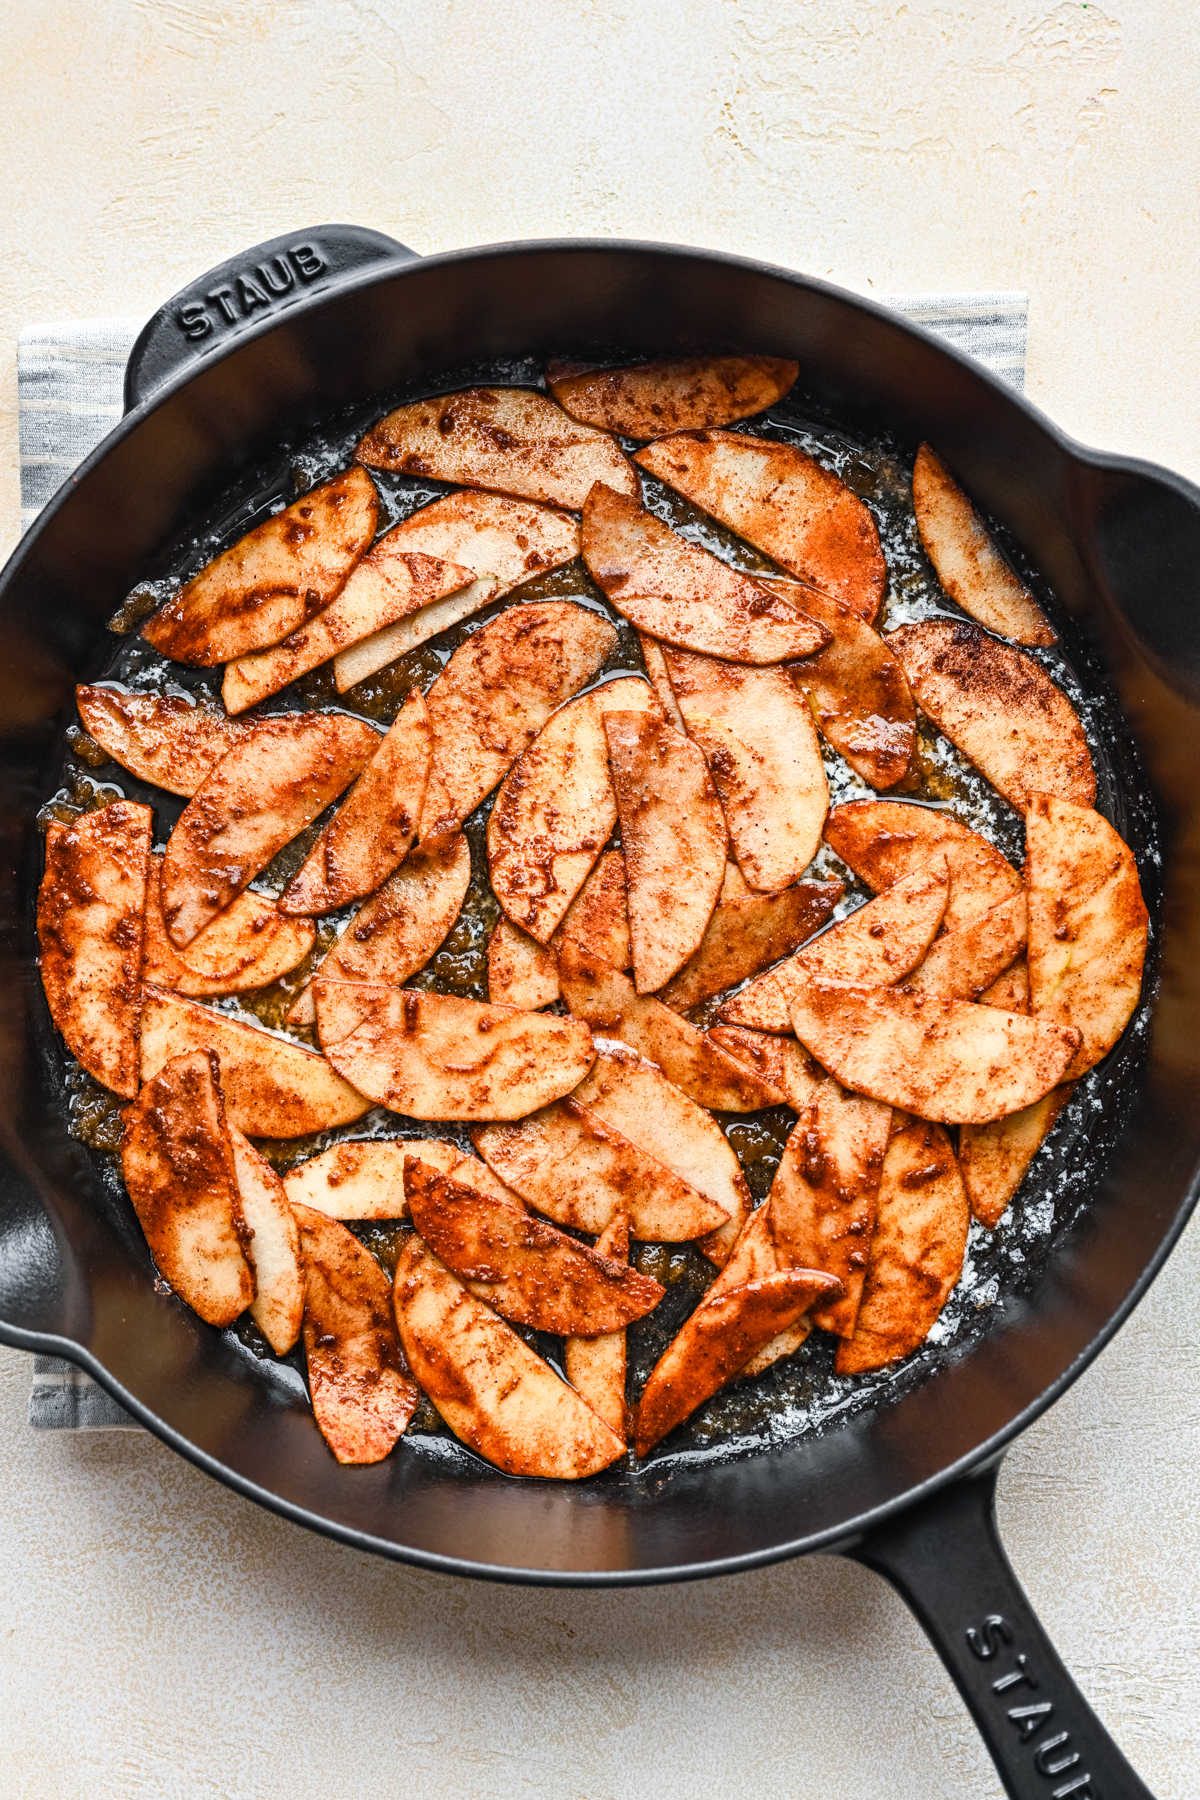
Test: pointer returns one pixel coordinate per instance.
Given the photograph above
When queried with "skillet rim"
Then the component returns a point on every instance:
(847, 1531)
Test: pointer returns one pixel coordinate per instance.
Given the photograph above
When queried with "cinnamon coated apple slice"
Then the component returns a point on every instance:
(686, 393)
(746, 932)
(247, 946)
(160, 738)
(966, 561)
(885, 840)
(272, 1246)
(364, 1178)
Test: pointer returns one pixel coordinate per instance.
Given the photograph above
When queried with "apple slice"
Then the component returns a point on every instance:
(249, 945)
(273, 1087)
(91, 914)
(521, 972)
(363, 1395)
(779, 1061)
(376, 825)
(966, 561)
(511, 440)
(272, 1246)
(177, 1161)
(567, 1162)
(885, 840)
(1088, 925)
(962, 964)
(633, 1096)
(272, 784)
(401, 926)
(758, 735)
(495, 694)
(415, 583)
(945, 1060)
(916, 1253)
(525, 1269)
(674, 842)
(160, 738)
(271, 580)
(514, 541)
(1001, 709)
(556, 808)
(745, 933)
(434, 1056)
(825, 1191)
(993, 1158)
(717, 1342)
(873, 946)
(364, 1179)
(686, 393)
(753, 1257)
(1011, 991)
(610, 1004)
(596, 1366)
(491, 1389)
(654, 657)
(681, 593)
(782, 502)
(597, 920)
(857, 690)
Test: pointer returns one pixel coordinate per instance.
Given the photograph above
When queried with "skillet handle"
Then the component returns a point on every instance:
(945, 1558)
(238, 294)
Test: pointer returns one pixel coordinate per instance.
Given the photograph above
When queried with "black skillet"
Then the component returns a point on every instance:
(224, 372)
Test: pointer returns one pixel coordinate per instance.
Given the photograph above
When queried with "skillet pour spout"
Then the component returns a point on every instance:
(318, 325)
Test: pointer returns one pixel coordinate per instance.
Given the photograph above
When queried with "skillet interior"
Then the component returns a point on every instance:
(682, 1510)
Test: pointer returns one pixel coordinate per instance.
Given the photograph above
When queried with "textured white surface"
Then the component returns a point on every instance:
(159, 1637)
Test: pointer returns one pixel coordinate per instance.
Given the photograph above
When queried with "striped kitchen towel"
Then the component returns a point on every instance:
(69, 380)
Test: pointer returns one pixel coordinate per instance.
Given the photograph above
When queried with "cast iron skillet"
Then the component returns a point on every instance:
(219, 375)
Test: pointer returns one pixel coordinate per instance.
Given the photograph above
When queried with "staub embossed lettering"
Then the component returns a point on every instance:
(248, 290)
(1051, 1752)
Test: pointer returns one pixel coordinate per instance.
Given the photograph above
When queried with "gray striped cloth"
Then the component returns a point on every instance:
(69, 379)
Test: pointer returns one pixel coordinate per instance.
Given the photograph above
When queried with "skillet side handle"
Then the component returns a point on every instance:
(945, 1559)
(259, 284)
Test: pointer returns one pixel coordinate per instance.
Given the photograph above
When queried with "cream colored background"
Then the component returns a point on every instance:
(159, 1637)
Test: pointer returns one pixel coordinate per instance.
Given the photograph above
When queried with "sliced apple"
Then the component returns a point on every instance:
(160, 738)
(686, 393)
(673, 838)
(758, 735)
(717, 1342)
(177, 1161)
(632, 1095)
(779, 1061)
(1001, 709)
(745, 933)
(272, 1246)
(873, 946)
(364, 1179)
(1011, 991)
(681, 593)
(966, 561)
(511, 440)
(963, 964)
(885, 840)
(567, 1162)
(858, 692)
(247, 946)
(272, 784)
(376, 825)
(556, 808)
(415, 583)
(508, 541)
(597, 920)
(824, 1195)
(527, 1270)
(492, 1390)
(271, 580)
(608, 1000)
(495, 694)
(596, 1366)
(944, 1060)
(785, 504)
(273, 1087)
(753, 1257)
(363, 1395)
(91, 914)
(916, 1253)
(993, 1158)
(1088, 925)
(401, 926)
(655, 660)
(521, 972)
(434, 1056)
